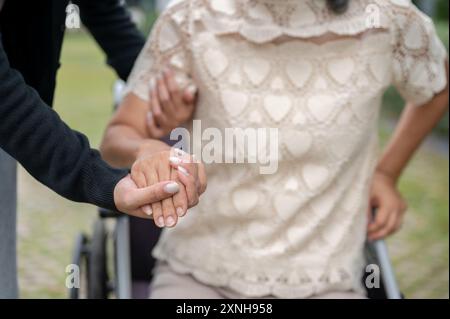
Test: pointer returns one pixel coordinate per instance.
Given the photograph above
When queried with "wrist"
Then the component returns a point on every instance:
(387, 174)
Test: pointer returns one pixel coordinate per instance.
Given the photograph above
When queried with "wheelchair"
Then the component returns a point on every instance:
(105, 263)
(91, 255)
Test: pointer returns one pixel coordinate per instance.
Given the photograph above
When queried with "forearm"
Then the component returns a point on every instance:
(122, 145)
(415, 124)
(57, 156)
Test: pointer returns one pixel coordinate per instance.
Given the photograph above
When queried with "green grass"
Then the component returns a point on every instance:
(48, 224)
(443, 31)
(83, 95)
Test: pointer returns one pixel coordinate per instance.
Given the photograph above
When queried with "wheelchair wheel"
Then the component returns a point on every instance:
(90, 256)
(79, 259)
(97, 283)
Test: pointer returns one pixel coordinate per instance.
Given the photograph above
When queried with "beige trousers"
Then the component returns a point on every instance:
(168, 284)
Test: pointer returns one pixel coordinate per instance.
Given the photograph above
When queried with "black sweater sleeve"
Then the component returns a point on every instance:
(110, 24)
(48, 149)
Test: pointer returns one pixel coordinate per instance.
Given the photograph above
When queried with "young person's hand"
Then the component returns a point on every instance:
(170, 107)
(389, 205)
(176, 166)
(129, 198)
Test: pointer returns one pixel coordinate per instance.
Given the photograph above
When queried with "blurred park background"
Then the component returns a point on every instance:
(48, 224)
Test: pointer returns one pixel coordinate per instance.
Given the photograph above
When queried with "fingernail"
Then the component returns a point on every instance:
(183, 170)
(192, 89)
(179, 152)
(180, 212)
(160, 221)
(147, 210)
(170, 221)
(175, 160)
(150, 116)
(152, 84)
(171, 188)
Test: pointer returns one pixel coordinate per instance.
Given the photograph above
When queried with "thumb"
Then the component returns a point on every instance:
(157, 192)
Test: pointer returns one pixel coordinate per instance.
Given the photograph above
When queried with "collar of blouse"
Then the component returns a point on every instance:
(262, 21)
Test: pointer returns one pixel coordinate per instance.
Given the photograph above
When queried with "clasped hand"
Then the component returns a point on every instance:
(163, 182)
(179, 167)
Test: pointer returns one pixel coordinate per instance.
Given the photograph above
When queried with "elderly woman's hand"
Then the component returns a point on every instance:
(170, 106)
(174, 165)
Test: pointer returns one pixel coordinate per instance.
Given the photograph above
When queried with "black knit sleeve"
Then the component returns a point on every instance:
(110, 24)
(48, 149)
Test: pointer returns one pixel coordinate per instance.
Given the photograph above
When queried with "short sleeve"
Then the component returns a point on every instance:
(419, 62)
(166, 45)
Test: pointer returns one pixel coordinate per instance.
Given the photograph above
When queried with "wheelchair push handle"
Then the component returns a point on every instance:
(387, 271)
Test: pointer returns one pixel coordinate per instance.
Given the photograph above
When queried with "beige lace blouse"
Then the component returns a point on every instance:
(319, 78)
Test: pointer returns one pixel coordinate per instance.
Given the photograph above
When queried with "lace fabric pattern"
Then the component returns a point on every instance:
(320, 79)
